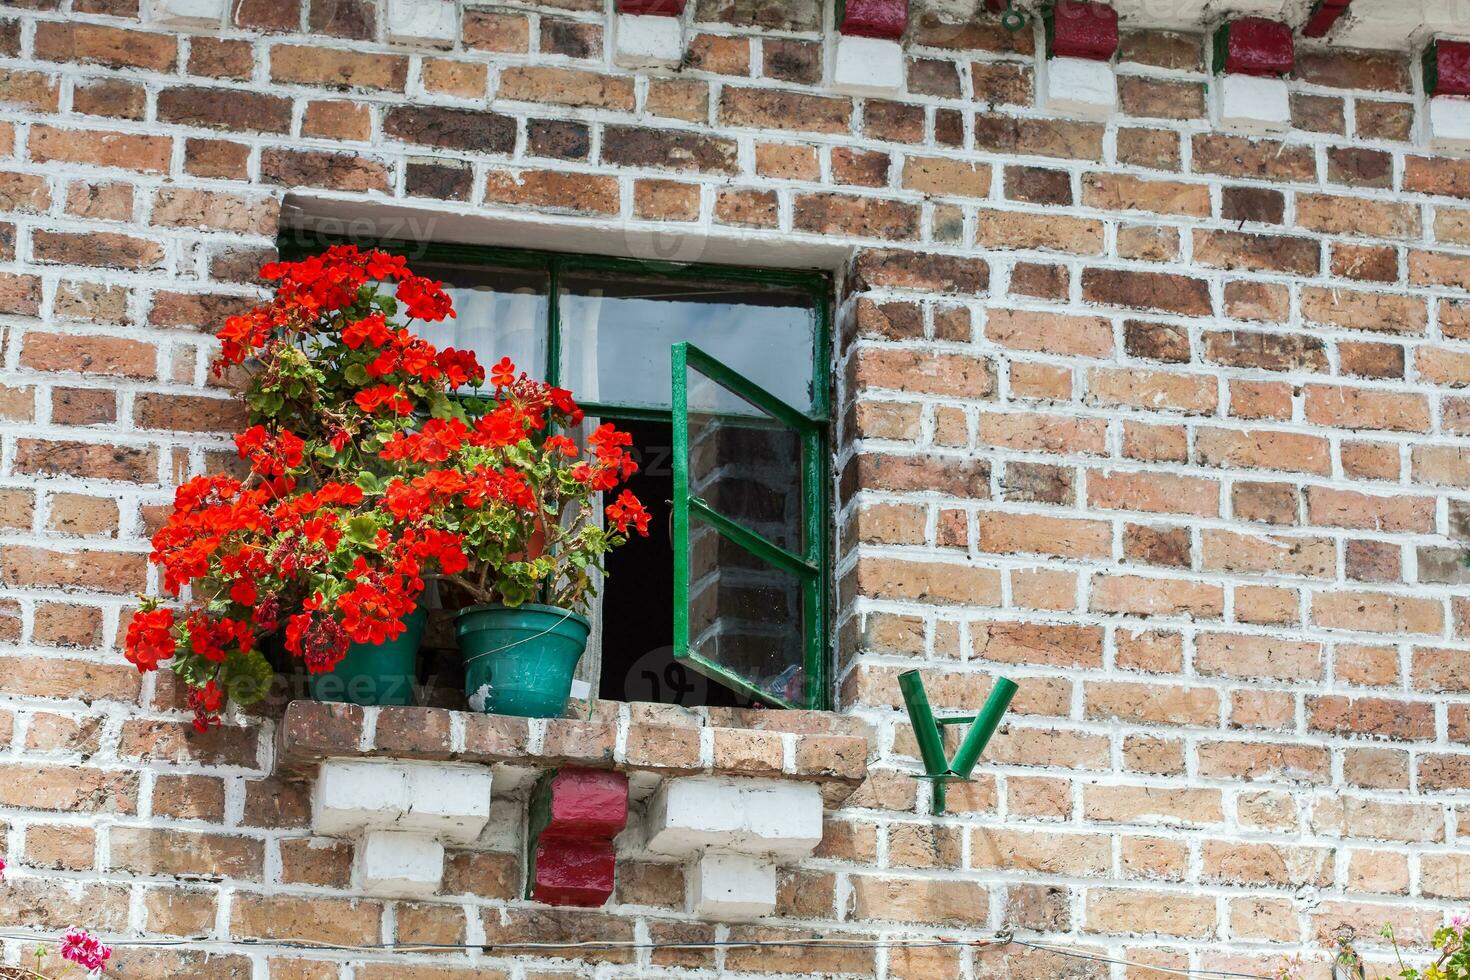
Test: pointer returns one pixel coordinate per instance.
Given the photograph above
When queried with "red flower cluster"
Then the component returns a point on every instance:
(352, 498)
(85, 950)
(150, 638)
(626, 510)
(270, 454)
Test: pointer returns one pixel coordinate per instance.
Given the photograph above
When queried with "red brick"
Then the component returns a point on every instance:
(110, 46)
(1050, 332)
(495, 30)
(1153, 493)
(110, 250)
(952, 375)
(1383, 717)
(1237, 156)
(224, 108)
(1366, 408)
(858, 217)
(554, 190)
(946, 177)
(928, 582)
(150, 154)
(1353, 310)
(1257, 253)
(311, 65)
(1146, 291)
(29, 89)
(1336, 215)
(1227, 655)
(1134, 595)
(1153, 390)
(1263, 449)
(770, 109)
(1377, 612)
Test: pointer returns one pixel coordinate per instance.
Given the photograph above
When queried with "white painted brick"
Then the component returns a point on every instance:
(350, 796)
(186, 13)
(647, 41)
(399, 865)
(451, 802)
(867, 65)
(751, 816)
(784, 819)
(1247, 104)
(686, 815)
(732, 887)
(429, 22)
(447, 801)
(1449, 123)
(1080, 87)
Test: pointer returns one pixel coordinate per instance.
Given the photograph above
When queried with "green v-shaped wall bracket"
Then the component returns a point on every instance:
(938, 768)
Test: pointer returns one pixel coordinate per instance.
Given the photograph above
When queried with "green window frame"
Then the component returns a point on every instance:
(812, 425)
(807, 568)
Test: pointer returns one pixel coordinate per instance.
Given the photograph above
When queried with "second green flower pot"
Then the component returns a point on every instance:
(375, 674)
(520, 660)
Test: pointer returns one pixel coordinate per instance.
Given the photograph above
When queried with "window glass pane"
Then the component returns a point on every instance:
(617, 330)
(745, 616)
(498, 313)
(744, 464)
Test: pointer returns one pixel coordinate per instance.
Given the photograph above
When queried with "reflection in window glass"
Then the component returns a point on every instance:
(498, 313)
(617, 331)
(744, 464)
(744, 615)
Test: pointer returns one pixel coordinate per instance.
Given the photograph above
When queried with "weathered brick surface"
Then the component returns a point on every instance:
(1168, 424)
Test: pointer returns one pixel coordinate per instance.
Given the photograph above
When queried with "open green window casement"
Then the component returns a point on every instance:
(748, 414)
(748, 548)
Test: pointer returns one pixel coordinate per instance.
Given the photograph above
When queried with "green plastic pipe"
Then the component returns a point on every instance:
(921, 716)
(984, 727)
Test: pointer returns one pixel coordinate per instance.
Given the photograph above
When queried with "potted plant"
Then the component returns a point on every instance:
(521, 495)
(301, 547)
(376, 462)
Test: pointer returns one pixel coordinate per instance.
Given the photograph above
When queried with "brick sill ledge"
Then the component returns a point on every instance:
(658, 740)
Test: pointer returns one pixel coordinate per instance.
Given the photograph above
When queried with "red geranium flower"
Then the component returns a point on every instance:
(628, 510)
(390, 396)
(503, 373)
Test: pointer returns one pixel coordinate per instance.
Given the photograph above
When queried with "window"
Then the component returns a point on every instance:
(721, 374)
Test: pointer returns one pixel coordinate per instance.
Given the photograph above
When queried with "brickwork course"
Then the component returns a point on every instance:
(1165, 423)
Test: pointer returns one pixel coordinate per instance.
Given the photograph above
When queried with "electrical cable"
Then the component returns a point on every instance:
(1061, 951)
(1001, 939)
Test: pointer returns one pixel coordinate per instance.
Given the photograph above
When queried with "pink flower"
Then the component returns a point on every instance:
(1460, 920)
(85, 951)
(2, 868)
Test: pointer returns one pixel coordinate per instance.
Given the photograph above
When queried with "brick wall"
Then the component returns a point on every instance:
(1164, 423)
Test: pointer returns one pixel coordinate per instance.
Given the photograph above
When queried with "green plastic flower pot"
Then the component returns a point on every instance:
(520, 661)
(375, 674)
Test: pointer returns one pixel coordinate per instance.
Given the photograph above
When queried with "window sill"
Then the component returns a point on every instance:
(660, 741)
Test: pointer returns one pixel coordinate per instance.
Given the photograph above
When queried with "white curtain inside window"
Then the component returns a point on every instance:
(581, 318)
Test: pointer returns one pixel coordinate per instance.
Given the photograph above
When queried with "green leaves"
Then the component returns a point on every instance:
(191, 668)
(370, 483)
(362, 530)
(247, 679)
(265, 403)
(441, 406)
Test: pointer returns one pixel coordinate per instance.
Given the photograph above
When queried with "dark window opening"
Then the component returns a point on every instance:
(637, 621)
